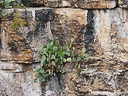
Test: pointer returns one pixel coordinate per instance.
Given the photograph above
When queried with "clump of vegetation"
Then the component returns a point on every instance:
(4, 4)
(46, 4)
(18, 22)
(20, 5)
(7, 4)
(54, 58)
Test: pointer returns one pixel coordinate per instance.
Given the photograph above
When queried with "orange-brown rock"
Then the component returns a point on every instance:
(103, 33)
(69, 23)
(19, 42)
(84, 4)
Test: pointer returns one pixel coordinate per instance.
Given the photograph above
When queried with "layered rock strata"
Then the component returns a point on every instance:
(86, 4)
(103, 33)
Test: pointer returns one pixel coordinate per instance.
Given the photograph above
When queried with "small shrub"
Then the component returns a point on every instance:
(54, 58)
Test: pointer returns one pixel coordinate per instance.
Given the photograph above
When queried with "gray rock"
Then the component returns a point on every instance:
(33, 2)
(123, 3)
(86, 4)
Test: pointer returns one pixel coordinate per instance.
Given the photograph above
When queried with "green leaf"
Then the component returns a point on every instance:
(61, 60)
(60, 53)
(63, 71)
(69, 59)
(34, 70)
(58, 67)
(55, 48)
(49, 40)
(45, 50)
(86, 55)
(44, 63)
(4, 14)
(48, 59)
(46, 75)
(12, 0)
(37, 74)
(51, 43)
(49, 72)
(78, 59)
(66, 53)
(67, 48)
(42, 71)
(73, 59)
(64, 60)
(55, 42)
(53, 57)
(53, 63)
(43, 60)
(56, 60)
(40, 52)
(78, 66)
(42, 79)
(7, 5)
(35, 80)
(48, 45)
(7, 1)
(70, 45)
(73, 49)
(64, 48)
(83, 50)
(44, 57)
(72, 39)
(87, 58)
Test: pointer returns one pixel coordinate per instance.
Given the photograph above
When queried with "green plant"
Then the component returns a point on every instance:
(8, 4)
(54, 58)
(46, 4)
(18, 22)
(20, 5)
(5, 3)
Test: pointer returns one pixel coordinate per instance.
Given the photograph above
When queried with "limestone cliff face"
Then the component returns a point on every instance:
(104, 33)
(86, 4)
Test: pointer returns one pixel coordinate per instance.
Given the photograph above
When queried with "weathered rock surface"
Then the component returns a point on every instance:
(123, 3)
(103, 33)
(69, 23)
(17, 80)
(86, 4)
(93, 4)
(110, 46)
(22, 45)
(105, 38)
(33, 2)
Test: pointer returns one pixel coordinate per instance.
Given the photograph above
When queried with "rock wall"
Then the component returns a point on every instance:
(98, 25)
